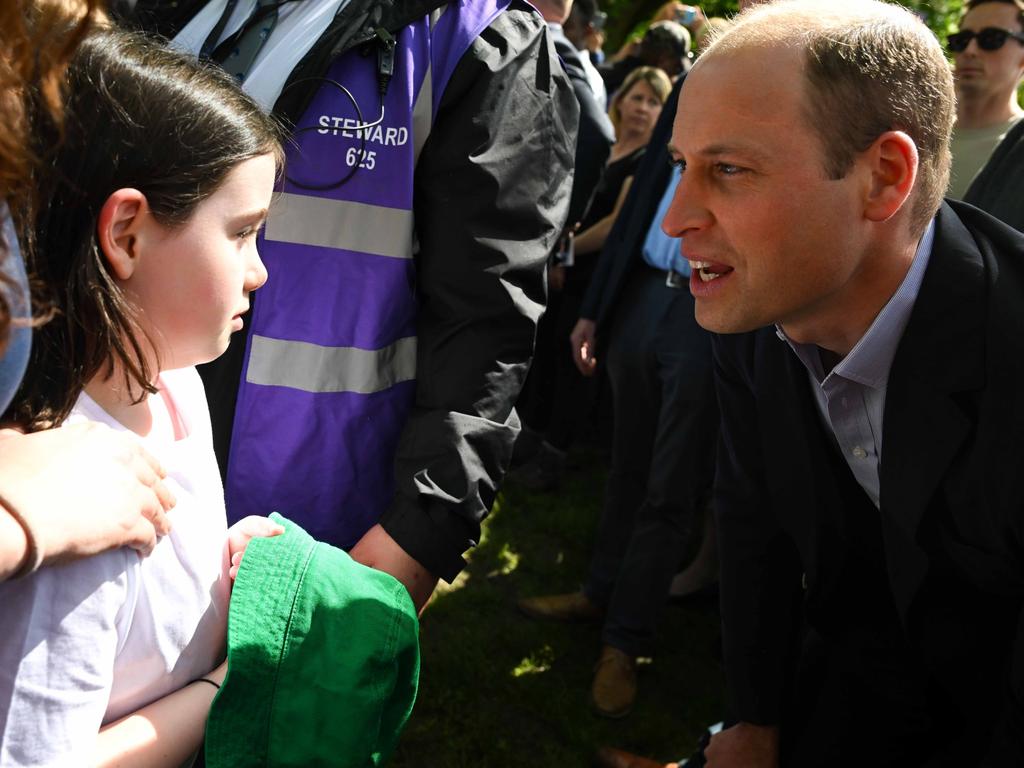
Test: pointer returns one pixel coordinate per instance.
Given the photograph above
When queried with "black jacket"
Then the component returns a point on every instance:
(595, 136)
(623, 249)
(999, 187)
(951, 518)
(487, 216)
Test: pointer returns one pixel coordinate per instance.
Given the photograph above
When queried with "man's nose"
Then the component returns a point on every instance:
(686, 212)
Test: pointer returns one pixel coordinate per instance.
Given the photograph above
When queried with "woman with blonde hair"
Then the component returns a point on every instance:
(633, 111)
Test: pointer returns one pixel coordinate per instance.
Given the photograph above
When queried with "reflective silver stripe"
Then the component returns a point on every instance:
(308, 220)
(313, 368)
(422, 114)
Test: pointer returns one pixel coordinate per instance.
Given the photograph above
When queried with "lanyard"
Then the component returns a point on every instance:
(211, 40)
(259, 13)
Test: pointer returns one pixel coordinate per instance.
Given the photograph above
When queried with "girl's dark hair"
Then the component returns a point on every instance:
(137, 115)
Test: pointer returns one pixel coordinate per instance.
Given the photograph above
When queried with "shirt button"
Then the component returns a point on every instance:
(860, 453)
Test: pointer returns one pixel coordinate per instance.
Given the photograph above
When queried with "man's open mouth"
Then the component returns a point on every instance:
(709, 270)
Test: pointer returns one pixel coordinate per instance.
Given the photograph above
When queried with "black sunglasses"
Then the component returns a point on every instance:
(989, 39)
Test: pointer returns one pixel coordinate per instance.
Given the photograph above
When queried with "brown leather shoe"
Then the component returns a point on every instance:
(574, 606)
(609, 757)
(614, 688)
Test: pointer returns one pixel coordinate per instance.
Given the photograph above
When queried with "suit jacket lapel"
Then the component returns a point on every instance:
(790, 420)
(940, 357)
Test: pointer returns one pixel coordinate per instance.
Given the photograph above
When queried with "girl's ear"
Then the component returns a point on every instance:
(121, 220)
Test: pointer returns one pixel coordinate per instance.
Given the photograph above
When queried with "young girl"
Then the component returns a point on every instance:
(147, 230)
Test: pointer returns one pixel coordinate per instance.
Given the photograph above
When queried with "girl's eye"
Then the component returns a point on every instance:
(248, 232)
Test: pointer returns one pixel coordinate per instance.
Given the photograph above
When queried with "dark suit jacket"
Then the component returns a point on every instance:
(622, 249)
(595, 136)
(999, 186)
(952, 491)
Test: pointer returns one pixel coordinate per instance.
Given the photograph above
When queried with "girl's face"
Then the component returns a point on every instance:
(639, 109)
(192, 283)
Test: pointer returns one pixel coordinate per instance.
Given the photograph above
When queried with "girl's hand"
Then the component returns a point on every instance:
(242, 532)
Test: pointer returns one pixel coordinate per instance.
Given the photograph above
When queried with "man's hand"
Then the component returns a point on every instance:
(84, 489)
(745, 745)
(244, 531)
(378, 550)
(583, 342)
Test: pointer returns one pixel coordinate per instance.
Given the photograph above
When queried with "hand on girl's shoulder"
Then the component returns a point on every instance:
(83, 489)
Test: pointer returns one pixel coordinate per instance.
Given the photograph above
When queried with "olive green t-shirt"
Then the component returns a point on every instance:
(972, 147)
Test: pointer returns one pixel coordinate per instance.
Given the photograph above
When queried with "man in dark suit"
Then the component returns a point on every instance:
(871, 598)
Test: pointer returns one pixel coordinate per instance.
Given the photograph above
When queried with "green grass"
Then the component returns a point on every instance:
(498, 689)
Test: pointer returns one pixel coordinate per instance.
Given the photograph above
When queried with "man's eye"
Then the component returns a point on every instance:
(680, 163)
(727, 169)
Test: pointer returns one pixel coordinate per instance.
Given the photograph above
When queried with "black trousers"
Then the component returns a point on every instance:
(663, 444)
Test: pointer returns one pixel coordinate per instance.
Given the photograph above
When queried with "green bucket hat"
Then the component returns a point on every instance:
(323, 659)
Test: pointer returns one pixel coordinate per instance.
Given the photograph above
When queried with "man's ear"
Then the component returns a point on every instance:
(121, 218)
(892, 163)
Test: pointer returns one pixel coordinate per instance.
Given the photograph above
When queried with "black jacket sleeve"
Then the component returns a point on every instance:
(626, 239)
(999, 188)
(491, 196)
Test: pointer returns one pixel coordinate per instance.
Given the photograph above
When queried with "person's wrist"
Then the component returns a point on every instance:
(218, 674)
(15, 521)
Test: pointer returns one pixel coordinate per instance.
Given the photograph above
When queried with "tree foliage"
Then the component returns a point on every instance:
(628, 17)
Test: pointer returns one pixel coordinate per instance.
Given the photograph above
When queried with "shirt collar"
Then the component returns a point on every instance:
(871, 357)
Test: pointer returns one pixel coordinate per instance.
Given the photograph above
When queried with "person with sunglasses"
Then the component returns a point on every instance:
(988, 141)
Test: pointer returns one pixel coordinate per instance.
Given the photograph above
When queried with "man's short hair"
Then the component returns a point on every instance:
(665, 39)
(870, 67)
(586, 10)
(1018, 4)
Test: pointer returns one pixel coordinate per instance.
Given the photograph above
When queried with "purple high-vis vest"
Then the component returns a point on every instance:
(330, 363)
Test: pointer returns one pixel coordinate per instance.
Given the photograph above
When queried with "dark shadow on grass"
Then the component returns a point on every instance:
(498, 689)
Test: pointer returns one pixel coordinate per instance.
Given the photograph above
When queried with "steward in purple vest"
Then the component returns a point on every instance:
(428, 178)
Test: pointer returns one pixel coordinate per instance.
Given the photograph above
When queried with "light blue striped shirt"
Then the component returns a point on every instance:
(851, 397)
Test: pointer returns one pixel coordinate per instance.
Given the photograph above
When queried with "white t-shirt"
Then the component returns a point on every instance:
(85, 643)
